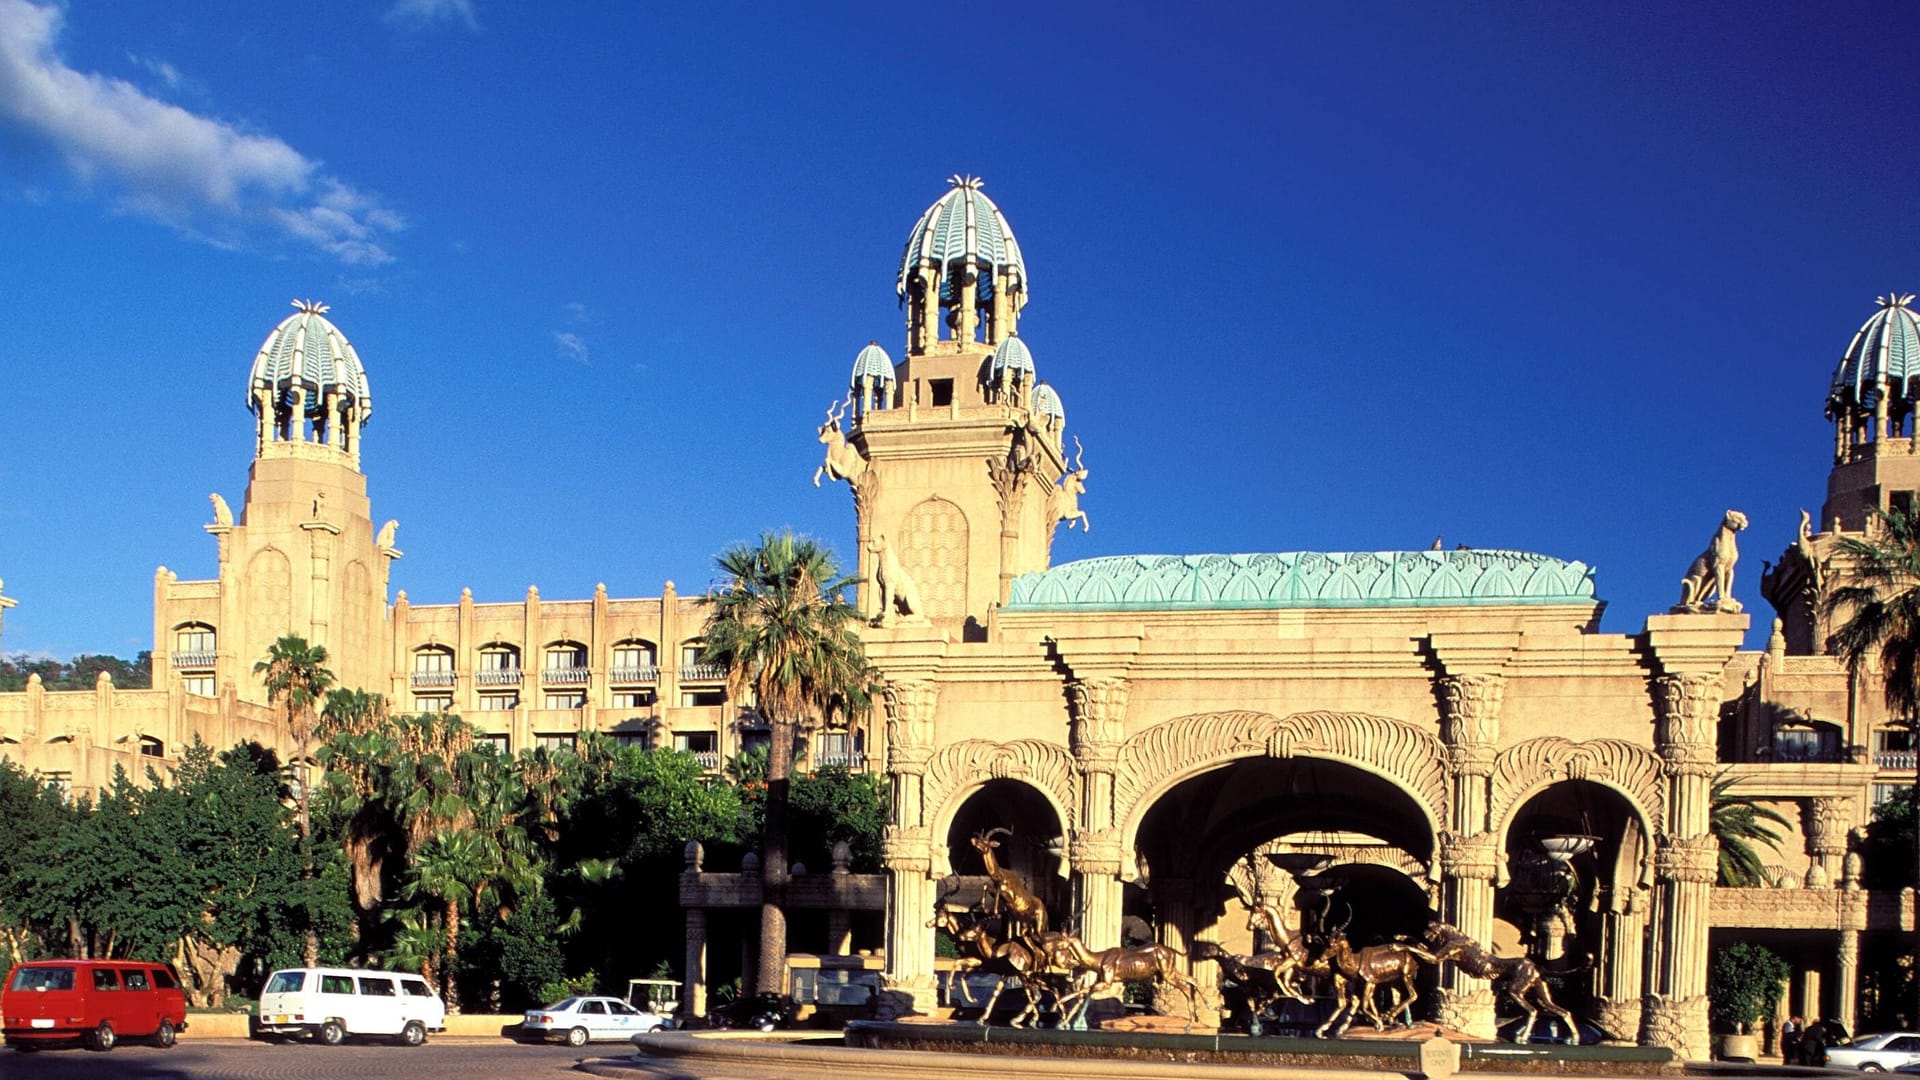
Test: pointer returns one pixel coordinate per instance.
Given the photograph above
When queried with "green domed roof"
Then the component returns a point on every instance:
(873, 360)
(308, 351)
(1886, 349)
(1304, 579)
(964, 228)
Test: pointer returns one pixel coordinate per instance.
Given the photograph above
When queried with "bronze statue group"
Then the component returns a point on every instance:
(1005, 934)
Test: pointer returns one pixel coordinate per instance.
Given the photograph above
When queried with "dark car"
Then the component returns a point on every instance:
(1551, 1030)
(760, 1012)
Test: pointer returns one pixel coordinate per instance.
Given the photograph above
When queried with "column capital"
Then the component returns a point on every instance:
(1474, 858)
(1691, 860)
(1099, 720)
(1470, 708)
(1096, 854)
(1687, 710)
(906, 849)
(1827, 819)
(910, 706)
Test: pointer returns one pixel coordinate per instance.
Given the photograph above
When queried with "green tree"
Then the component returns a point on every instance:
(1744, 983)
(781, 626)
(1879, 598)
(1739, 823)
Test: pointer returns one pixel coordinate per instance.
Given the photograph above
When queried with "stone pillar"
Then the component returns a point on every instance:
(1099, 724)
(1469, 855)
(693, 983)
(1621, 1006)
(1810, 995)
(1847, 977)
(966, 308)
(906, 850)
(1686, 861)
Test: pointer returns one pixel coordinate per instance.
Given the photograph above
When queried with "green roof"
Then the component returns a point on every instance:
(1304, 579)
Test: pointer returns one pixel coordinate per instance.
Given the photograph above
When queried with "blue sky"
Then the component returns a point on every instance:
(1568, 278)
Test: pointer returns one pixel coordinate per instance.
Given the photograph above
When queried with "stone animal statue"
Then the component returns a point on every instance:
(844, 460)
(222, 515)
(384, 541)
(1006, 894)
(1711, 575)
(899, 596)
(1073, 484)
(1514, 976)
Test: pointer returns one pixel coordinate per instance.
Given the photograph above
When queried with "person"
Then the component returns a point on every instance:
(1813, 1046)
(1790, 1033)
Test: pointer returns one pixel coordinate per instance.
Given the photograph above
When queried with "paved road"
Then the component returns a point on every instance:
(238, 1059)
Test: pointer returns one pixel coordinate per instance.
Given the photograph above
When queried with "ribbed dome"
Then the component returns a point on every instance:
(1887, 349)
(873, 360)
(1047, 403)
(1013, 354)
(966, 228)
(307, 350)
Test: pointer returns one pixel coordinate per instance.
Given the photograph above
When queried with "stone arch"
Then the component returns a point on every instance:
(958, 770)
(1156, 760)
(933, 547)
(1525, 769)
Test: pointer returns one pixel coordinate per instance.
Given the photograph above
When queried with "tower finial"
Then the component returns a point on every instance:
(310, 307)
(967, 181)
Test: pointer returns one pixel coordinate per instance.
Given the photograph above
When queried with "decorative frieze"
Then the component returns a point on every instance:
(1098, 854)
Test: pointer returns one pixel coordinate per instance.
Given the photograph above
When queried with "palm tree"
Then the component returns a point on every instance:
(781, 625)
(1880, 599)
(1739, 823)
(295, 674)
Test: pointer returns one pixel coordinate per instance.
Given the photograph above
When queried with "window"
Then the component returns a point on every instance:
(433, 658)
(1893, 741)
(137, 980)
(415, 988)
(942, 392)
(61, 782)
(696, 742)
(432, 704)
(336, 984)
(376, 987)
(621, 1008)
(498, 702)
(695, 698)
(637, 699)
(163, 979)
(1900, 502)
(43, 978)
(632, 655)
(638, 739)
(499, 658)
(566, 655)
(571, 699)
(105, 979)
(690, 653)
(198, 685)
(558, 740)
(152, 747)
(594, 1008)
(1885, 793)
(502, 744)
(195, 639)
(1802, 742)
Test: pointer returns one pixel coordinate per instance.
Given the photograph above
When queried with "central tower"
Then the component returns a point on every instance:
(955, 454)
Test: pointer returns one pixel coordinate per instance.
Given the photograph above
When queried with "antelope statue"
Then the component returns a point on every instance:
(1515, 976)
(844, 460)
(1006, 894)
(981, 952)
(1073, 484)
(1395, 963)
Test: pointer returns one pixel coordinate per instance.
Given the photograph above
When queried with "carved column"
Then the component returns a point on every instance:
(906, 849)
(1686, 861)
(1099, 724)
(693, 984)
(1623, 976)
(1469, 856)
(1826, 820)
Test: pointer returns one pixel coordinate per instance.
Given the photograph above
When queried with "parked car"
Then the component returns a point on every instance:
(577, 1020)
(1549, 1030)
(329, 1004)
(96, 1001)
(1876, 1053)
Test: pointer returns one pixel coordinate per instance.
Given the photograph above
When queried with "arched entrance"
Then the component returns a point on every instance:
(1033, 845)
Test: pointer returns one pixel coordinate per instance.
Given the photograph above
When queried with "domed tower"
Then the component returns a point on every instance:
(1871, 403)
(303, 557)
(1876, 465)
(954, 466)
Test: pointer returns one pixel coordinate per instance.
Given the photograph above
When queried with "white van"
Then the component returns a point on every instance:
(329, 1004)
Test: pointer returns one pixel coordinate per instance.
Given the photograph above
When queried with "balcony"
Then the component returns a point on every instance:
(566, 676)
(708, 759)
(627, 676)
(420, 679)
(193, 659)
(497, 677)
(839, 759)
(1902, 760)
(702, 673)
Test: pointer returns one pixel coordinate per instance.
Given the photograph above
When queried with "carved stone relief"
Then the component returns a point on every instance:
(959, 767)
(1523, 769)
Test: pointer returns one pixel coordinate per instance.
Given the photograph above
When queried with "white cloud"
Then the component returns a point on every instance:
(420, 14)
(577, 311)
(570, 346)
(200, 175)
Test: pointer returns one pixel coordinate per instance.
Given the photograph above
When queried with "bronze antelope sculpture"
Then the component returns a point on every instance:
(1007, 895)
(1154, 963)
(1395, 963)
(988, 955)
(1254, 975)
(1515, 976)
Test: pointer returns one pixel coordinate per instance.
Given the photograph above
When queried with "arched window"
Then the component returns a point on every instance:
(432, 666)
(692, 670)
(499, 665)
(565, 663)
(152, 747)
(634, 661)
(193, 646)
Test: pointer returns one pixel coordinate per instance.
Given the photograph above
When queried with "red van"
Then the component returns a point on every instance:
(97, 1001)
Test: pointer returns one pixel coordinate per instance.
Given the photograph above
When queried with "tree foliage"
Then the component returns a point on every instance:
(79, 673)
(1744, 983)
(1740, 824)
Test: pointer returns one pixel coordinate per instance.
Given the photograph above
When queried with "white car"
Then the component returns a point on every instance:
(579, 1020)
(1876, 1053)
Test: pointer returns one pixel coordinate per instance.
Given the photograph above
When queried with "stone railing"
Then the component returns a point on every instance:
(625, 675)
(497, 677)
(196, 658)
(1895, 759)
(430, 678)
(839, 759)
(702, 672)
(566, 676)
(708, 759)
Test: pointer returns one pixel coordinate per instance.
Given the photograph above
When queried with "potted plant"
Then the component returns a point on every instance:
(1744, 983)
